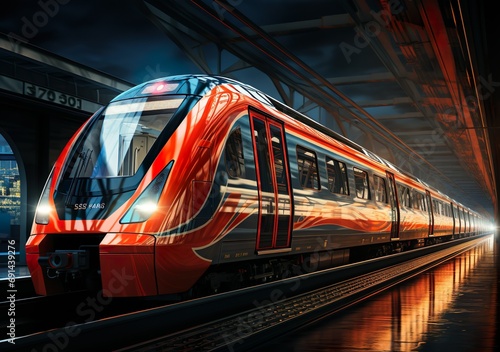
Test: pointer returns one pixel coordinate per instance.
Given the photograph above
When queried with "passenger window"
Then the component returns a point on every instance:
(361, 182)
(404, 196)
(421, 202)
(337, 176)
(235, 162)
(308, 168)
(416, 197)
(435, 205)
(279, 159)
(380, 189)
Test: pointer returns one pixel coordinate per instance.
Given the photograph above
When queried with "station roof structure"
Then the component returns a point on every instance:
(412, 81)
(23, 65)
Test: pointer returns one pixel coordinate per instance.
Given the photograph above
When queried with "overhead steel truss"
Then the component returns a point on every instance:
(398, 77)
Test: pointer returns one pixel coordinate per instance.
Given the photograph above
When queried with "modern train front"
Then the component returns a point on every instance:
(105, 202)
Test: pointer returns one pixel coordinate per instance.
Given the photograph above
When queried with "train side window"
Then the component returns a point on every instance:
(437, 207)
(404, 196)
(308, 168)
(423, 203)
(235, 162)
(380, 189)
(408, 200)
(361, 183)
(337, 176)
(417, 200)
(279, 159)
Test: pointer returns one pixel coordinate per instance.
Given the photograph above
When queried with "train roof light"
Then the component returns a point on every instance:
(159, 87)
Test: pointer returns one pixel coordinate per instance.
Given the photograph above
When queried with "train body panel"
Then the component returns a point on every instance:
(198, 178)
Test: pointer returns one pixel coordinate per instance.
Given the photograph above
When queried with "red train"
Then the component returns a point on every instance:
(201, 183)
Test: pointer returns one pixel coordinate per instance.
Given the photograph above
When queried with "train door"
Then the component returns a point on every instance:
(466, 222)
(395, 215)
(453, 217)
(459, 220)
(273, 181)
(430, 212)
(472, 223)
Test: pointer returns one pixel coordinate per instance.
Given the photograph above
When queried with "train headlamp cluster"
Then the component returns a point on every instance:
(146, 204)
(146, 208)
(44, 208)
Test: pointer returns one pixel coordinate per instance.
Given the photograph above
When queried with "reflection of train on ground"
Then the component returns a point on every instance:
(201, 182)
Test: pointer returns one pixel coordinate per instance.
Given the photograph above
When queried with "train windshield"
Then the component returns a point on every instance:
(119, 140)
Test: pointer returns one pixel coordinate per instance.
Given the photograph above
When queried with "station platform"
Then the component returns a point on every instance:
(452, 307)
(21, 271)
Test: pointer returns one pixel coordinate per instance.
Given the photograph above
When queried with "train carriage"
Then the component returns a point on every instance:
(197, 183)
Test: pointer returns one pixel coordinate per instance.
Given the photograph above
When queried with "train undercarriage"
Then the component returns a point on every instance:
(77, 268)
(227, 277)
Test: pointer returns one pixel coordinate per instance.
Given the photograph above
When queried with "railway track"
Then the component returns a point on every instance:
(244, 318)
(248, 329)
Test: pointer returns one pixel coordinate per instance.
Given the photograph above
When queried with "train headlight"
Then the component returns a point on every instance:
(42, 214)
(146, 209)
(44, 208)
(146, 204)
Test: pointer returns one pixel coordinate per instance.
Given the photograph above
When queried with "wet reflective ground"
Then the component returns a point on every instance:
(452, 307)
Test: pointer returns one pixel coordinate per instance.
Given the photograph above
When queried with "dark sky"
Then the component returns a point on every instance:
(110, 35)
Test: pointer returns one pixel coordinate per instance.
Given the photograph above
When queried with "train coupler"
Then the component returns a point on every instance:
(71, 261)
